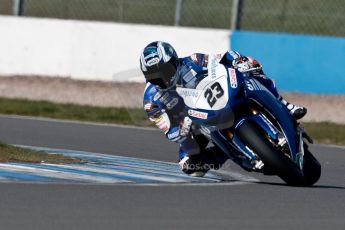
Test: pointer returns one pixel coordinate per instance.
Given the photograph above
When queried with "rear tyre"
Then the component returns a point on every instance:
(253, 137)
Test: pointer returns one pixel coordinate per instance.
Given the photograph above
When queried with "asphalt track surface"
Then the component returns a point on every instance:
(267, 204)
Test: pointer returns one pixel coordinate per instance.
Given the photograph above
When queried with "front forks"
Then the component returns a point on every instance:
(300, 155)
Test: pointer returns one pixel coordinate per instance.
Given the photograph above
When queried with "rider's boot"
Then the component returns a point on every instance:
(296, 111)
(199, 164)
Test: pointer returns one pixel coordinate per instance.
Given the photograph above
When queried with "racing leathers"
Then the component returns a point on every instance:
(168, 111)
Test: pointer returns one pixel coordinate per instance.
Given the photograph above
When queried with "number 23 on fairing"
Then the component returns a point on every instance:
(210, 93)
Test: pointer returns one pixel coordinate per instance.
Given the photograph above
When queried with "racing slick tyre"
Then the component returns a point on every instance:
(274, 160)
(311, 168)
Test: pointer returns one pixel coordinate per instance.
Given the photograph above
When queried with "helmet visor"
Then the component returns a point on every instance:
(162, 75)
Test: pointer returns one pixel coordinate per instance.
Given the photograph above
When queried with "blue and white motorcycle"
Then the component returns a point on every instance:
(239, 115)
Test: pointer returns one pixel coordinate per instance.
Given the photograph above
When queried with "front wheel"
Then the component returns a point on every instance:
(253, 137)
(311, 168)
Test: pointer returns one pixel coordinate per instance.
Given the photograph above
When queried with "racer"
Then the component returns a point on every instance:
(163, 70)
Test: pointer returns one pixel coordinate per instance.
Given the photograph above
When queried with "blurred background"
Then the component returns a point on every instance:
(301, 45)
(292, 16)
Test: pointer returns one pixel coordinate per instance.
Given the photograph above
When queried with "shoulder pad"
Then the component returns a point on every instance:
(150, 107)
(149, 92)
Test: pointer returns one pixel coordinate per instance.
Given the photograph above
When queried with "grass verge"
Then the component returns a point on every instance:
(326, 132)
(73, 112)
(9, 153)
(321, 132)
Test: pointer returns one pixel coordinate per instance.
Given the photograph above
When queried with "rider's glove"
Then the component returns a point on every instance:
(248, 65)
(179, 133)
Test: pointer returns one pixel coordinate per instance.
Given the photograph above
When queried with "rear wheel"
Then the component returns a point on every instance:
(274, 159)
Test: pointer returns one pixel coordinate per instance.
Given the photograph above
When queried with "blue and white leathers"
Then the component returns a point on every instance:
(205, 92)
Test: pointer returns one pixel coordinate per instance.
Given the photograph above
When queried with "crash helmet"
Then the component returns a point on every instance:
(159, 63)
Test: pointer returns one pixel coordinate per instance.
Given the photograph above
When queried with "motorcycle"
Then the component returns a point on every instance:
(248, 123)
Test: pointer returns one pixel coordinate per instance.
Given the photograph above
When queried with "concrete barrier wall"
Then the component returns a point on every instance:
(298, 63)
(110, 51)
(91, 50)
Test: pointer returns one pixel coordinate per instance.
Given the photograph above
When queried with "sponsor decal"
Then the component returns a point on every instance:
(254, 85)
(197, 114)
(153, 61)
(157, 96)
(171, 104)
(233, 78)
(214, 64)
(164, 97)
(249, 85)
(189, 76)
(174, 134)
(188, 93)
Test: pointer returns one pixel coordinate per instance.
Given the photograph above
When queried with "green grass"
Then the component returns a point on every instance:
(327, 133)
(293, 16)
(9, 153)
(6, 7)
(73, 112)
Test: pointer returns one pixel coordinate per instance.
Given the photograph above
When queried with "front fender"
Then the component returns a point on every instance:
(256, 92)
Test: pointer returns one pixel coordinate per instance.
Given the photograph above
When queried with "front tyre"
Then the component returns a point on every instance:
(311, 168)
(253, 137)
